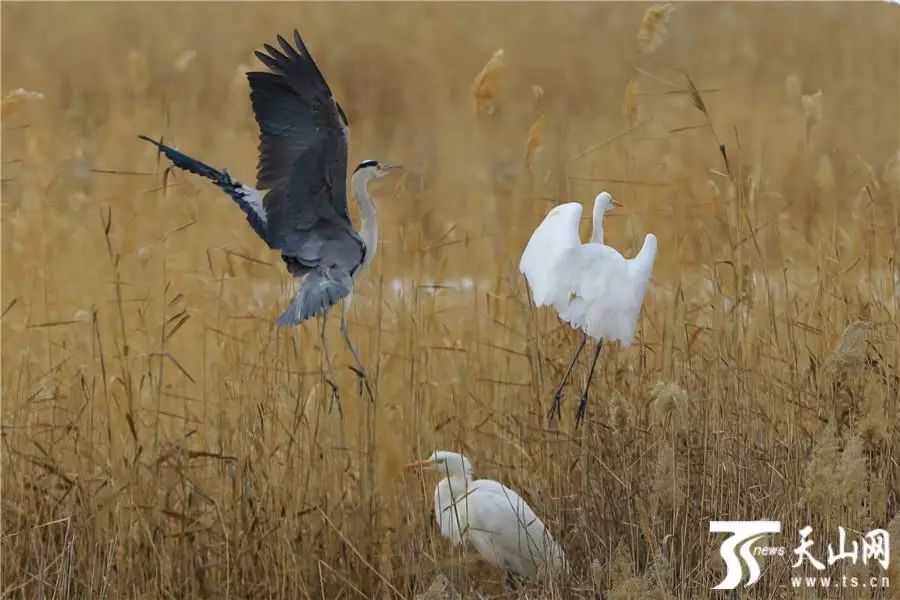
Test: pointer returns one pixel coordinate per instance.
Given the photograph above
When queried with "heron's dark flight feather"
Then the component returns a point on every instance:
(222, 179)
(288, 49)
(302, 142)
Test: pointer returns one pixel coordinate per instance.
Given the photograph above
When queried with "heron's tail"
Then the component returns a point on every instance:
(319, 291)
(249, 199)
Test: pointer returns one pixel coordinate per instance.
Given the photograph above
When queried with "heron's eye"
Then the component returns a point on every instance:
(367, 163)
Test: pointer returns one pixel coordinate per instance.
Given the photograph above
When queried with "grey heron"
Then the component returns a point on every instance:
(299, 205)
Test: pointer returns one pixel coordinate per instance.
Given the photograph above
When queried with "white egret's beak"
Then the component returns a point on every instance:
(616, 203)
(419, 464)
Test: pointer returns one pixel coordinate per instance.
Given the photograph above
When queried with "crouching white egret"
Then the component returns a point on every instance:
(592, 286)
(492, 518)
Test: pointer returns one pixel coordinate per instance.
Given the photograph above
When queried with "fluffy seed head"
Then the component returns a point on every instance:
(653, 29)
(486, 89)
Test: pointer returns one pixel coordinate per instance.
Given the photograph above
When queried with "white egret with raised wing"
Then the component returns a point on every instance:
(592, 286)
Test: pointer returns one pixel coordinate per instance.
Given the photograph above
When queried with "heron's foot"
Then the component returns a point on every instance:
(582, 408)
(516, 587)
(555, 406)
(512, 585)
(335, 396)
(363, 379)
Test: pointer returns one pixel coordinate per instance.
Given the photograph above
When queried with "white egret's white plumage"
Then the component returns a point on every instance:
(592, 286)
(494, 519)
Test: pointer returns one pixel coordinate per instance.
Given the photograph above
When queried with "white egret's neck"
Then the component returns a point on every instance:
(459, 484)
(368, 229)
(597, 235)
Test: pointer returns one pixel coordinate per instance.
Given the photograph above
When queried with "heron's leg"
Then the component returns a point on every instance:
(582, 404)
(360, 370)
(329, 376)
(557, 396)
(512, 586)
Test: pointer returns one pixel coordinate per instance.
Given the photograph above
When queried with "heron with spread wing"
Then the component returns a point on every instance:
(303, 139)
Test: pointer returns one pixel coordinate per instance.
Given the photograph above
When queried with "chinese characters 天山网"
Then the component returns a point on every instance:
(873, 546)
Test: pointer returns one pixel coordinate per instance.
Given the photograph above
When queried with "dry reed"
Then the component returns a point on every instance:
(161, 439)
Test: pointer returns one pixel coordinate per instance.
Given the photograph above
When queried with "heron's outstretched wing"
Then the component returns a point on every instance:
(247, 198)
(556, 234)
(641, 266)
(303, 139)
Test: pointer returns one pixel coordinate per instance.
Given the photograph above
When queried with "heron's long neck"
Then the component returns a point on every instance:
(451, 508)
(459, 485)
(597, 235)
(368, 230)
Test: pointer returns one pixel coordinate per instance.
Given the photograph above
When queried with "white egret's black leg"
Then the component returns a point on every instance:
(329, 376)
(512, 586)
(557, 395)
(359, 369)
(582, 404)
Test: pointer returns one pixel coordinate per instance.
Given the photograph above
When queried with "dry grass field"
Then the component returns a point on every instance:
(161, 439)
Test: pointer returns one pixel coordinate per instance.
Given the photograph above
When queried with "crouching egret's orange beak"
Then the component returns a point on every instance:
(419, 464)
(617, 203)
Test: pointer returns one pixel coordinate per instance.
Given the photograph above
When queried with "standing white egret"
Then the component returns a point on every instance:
(592, 286)
(493, 518)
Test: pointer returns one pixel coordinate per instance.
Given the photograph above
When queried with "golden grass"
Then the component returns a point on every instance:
(162, 439)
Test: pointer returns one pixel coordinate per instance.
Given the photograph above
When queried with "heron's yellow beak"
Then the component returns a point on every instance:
(419, 464)
(617, 204)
